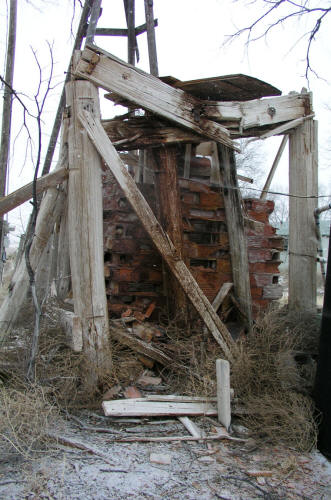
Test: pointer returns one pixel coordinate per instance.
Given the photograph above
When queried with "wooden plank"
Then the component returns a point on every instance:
(135, 408)
(151, 43)
(72, 328)
(303, 173)
(180, 399)
(148, 92)
(215, 176)
(187, 161)
(63, 274)
(286, 127)
(237, 237)
(222, 293)
(231, 87)
(193, 429)
(16, 198)
(151, 132)
(223, 392)
(156, 233)
(166, 439)
(139, 345)
(92, 25)
(273, 169)
(260, 112)
(85, 229)
(122, 31)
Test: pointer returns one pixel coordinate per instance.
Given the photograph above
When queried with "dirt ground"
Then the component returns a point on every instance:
(197, 470)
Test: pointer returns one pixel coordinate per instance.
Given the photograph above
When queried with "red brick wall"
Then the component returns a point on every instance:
(133, 268)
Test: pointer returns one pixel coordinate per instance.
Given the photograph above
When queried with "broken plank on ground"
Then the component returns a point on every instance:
(148, 92)
(138, 408)
(139, 345)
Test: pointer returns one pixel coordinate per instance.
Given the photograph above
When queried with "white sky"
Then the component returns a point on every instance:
(190, 39)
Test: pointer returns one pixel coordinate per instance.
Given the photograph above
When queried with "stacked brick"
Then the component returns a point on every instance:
(133, 268)
(264, 248)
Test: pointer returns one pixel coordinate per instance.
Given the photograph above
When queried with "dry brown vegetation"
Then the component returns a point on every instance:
(269, 383)
(25, 417)
(273, 376)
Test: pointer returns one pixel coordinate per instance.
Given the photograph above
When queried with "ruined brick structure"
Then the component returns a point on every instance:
(133, 267)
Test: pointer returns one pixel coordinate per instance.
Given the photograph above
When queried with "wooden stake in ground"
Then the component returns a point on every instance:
(156, 233)
(223, 392)
(85, 229)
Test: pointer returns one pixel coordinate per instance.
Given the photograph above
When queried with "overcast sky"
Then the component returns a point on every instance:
(190, 44)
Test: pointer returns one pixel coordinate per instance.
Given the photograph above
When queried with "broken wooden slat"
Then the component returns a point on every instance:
(223, 392)
(148, 92)
(273, 169)
(165, 439)
(140, 346)
(152, 133)
(237, 238)
(222, 293)
(72, 328)
(286, 127)
(193, 429)
(155, 231)
(136, 408)
(15, 199)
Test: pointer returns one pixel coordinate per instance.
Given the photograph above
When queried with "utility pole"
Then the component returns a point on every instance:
(6, 115)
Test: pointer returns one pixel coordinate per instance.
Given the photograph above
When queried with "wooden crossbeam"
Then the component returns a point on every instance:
(15, 199)
(149, 92)
(161, 240)
(260, 112)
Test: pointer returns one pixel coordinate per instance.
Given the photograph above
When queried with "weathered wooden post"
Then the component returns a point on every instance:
(237, 238)
(303, 183)
(85, 229)
(168, 196)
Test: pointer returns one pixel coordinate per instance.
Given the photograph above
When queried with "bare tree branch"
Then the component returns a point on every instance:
(266, 21)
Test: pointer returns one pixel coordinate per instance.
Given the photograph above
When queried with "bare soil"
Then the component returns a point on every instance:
(197, 470)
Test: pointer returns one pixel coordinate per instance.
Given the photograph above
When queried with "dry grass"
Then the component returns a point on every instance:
(25, 417)
(271, 385)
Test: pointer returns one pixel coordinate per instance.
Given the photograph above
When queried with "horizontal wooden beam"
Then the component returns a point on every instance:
(122, 31)
(160, 239)
(149, 92)
(15, 199)
(259, 112)
(152, 133)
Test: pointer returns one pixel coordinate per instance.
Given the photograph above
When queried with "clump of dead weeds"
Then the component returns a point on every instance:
(26, 416)
(271, 379)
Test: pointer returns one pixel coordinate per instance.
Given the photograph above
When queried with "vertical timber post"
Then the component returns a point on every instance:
(168, 196)
(85, 227)
(236, 230)
(303, 182)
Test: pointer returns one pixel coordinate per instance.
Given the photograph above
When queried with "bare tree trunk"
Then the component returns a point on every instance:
(6, 113)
